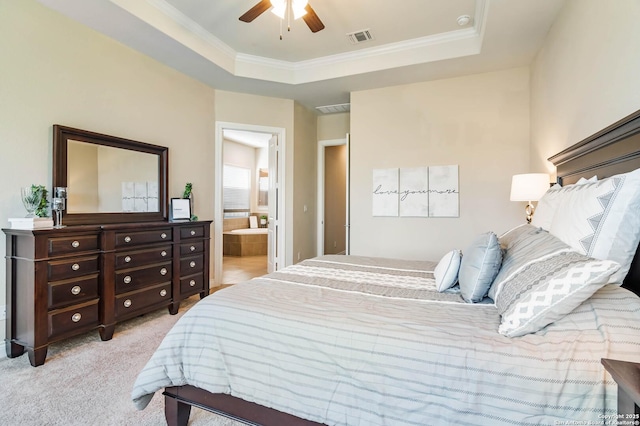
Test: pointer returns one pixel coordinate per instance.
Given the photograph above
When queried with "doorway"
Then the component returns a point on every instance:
(333, 197)
(248, 178)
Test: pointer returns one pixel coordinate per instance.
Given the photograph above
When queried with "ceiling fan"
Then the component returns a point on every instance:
(282, 8)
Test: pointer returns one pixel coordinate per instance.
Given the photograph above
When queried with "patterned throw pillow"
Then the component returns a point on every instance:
(545, 291)
(602, 219)
(480, 264)
(446, 272)
(523, 246)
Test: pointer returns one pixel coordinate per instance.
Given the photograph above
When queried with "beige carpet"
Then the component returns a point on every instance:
(86, 381)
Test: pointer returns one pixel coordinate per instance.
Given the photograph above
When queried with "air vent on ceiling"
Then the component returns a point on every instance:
(332, 109)
(360, 36)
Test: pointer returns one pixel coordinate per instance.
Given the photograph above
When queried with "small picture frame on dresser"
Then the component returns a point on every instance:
(180, 210)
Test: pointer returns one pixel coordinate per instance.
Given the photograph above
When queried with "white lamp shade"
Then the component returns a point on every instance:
(529, 186)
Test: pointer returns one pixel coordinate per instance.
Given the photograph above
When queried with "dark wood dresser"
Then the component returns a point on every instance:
(67, 281)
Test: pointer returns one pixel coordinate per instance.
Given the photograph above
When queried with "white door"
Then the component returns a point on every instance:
(348, 193)
(273, 257)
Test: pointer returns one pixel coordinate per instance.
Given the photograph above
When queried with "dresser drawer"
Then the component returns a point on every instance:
(133, 259)
(69, 292)
(66, 245)
(73, 319)
(127, 239)
(72, 268)
(191, 248)
(131, 279)
(192, 284)
(195, 231)
(129, 304)
(191, 265)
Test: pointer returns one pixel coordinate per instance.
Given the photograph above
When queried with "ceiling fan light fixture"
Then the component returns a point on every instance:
(297, 7)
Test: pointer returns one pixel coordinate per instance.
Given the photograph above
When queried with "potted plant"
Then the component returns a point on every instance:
(263, 221)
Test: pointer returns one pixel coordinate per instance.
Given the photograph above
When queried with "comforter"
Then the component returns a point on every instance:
(346, 340)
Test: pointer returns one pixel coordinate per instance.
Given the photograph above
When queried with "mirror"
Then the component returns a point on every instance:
(109, 179)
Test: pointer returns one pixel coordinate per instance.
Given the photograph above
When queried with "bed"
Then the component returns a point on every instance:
(363, 341)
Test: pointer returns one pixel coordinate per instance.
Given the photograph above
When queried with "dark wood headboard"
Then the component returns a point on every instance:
(611, 151)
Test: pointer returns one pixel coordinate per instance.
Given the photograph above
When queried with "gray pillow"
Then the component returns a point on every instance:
(522, 246)
(547, 289)
(479, 267)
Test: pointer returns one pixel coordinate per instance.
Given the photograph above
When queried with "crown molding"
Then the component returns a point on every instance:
(173, 23)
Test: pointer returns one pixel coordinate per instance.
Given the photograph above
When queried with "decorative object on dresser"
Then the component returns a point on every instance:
(180, 210)
(34, 199)
(109, 264)
(59, 203)
(31, 198)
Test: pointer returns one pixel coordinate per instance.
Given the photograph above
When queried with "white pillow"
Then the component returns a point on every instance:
(446, 273)
(602, 219)
(546, 208)
(582, 180)
(548, 204)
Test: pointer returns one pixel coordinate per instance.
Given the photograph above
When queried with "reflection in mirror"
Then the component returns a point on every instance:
(104, 179)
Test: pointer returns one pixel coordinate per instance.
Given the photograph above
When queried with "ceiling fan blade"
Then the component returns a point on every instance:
(256, 11)
(312, 20)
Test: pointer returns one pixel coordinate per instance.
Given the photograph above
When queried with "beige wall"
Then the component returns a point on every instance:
(479, 122)
(585, 77)
(56, 71)
(304, 185)
(333, 126)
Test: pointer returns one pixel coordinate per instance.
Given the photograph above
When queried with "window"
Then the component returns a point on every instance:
(236, 191)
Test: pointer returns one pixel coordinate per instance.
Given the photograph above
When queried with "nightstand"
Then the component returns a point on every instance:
(627, 376)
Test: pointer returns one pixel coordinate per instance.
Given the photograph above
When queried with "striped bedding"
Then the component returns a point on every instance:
(346, 340)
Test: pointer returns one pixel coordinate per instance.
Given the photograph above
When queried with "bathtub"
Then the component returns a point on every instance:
(245, 242)
(249, 231)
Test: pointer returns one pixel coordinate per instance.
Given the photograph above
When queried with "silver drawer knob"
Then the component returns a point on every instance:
(127, 239)
(127, 303)
(192, 283)
(75, 266)
(193, 248)
(193, 232)
(163, 292)
(163, 253)
(127, 279)
(163, 235)
(192, 264)
(163, 271)
(75, 244)
(76, 289)
(76, 317)
(127, 259)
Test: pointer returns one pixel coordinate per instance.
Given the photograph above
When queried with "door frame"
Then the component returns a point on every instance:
(322, 144)
(218, 220)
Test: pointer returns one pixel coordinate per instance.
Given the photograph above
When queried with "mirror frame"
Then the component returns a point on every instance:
(62, 134)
